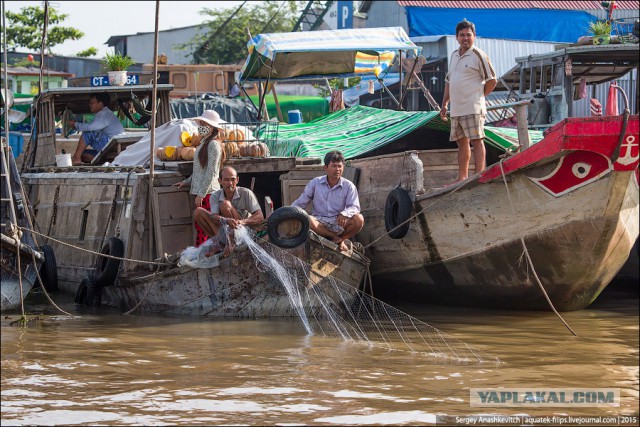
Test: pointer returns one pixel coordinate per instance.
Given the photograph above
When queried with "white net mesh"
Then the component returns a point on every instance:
(332, 308)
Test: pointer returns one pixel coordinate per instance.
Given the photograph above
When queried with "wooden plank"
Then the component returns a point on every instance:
(115, 145)
(251, 165)
(173, 219)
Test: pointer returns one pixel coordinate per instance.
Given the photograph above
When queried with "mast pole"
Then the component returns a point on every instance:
(154, 96)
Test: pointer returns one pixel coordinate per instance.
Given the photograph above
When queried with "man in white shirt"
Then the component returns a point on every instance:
(470, 79)
(97, 134)
(335, 204)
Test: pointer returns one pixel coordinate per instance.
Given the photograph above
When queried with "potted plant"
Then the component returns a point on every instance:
(601, 30)
(116, 65)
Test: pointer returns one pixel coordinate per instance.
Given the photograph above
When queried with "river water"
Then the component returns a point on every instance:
(101, 367)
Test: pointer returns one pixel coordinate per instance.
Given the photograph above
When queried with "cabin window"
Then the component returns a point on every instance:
(83, 224)
(163, 77)
(179, 80)
(218, 83)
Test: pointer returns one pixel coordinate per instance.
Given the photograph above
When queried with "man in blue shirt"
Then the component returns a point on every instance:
(97, 134)
(336, 209)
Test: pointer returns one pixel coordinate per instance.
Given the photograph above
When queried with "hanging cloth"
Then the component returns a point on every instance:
(582, 89)
(612, 101)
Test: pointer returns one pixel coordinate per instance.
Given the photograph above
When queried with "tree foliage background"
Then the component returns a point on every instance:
(24, 29)
(225, 41)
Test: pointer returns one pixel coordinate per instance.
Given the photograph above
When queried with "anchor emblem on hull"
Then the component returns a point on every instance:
(627, 160)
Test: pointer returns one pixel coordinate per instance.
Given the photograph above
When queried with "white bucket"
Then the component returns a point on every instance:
(63, 160)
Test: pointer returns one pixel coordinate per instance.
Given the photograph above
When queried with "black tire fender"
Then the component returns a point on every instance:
(288, 227)
(107, 268)
(89, 292)
(81, 293)
(49, 269)
(397, 210)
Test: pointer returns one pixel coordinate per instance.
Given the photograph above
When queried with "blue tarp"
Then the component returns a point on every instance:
(564, 26)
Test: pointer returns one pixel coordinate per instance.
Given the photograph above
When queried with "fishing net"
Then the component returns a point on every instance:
(328, 306)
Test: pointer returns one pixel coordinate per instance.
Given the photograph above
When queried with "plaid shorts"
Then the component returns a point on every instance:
(471, 126)
(331, 224)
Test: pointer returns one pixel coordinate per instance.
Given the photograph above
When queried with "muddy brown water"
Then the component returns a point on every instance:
(102, 367)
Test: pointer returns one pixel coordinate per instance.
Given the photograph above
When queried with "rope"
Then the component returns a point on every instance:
(529, 261)
(14, 233)
(464, 184)
(111, 215)
(33, 256)
(17, 240)
(526, 252)
(152, 282)
(97, 253)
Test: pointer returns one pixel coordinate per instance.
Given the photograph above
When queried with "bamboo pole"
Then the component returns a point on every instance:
(154, 108)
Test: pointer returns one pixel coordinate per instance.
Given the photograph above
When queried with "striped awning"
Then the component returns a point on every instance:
(324, 54)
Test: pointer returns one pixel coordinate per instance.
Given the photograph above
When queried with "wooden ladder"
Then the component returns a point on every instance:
(7, 193)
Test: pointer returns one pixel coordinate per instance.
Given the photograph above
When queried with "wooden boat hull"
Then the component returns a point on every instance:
(237, 287)
(12, 278)
(463, 247)
(574, 260)
(101, 202)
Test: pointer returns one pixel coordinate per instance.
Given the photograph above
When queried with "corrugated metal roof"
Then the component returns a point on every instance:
(560, 5)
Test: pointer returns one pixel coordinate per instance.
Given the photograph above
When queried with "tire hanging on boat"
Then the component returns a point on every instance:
(107, 268)
(397, 210)
(89, 292)
(288, 227)
(49, 269)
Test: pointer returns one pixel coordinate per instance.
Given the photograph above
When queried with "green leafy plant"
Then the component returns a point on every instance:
(117, 62)
(600, 28)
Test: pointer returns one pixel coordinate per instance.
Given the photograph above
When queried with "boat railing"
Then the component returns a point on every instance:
(521, 116)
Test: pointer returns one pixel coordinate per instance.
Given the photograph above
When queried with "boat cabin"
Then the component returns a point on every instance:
(85, 206)
(52, 103)
(552, 79)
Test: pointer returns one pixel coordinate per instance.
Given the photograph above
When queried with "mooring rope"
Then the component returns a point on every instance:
(529, 261)
(13, 232)
(464, 184)
(526, 252)
(135, 307)
(17, 240)
(98, 253)
(33, 256)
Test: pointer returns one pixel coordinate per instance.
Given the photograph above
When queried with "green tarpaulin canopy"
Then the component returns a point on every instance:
(359, 130)
(311, 107)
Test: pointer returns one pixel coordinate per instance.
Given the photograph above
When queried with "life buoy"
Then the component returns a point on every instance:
(397, 210)
(288, 226)
(49, 269)
(107, 268)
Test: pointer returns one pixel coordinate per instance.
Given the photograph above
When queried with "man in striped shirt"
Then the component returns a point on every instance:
(470, 79)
